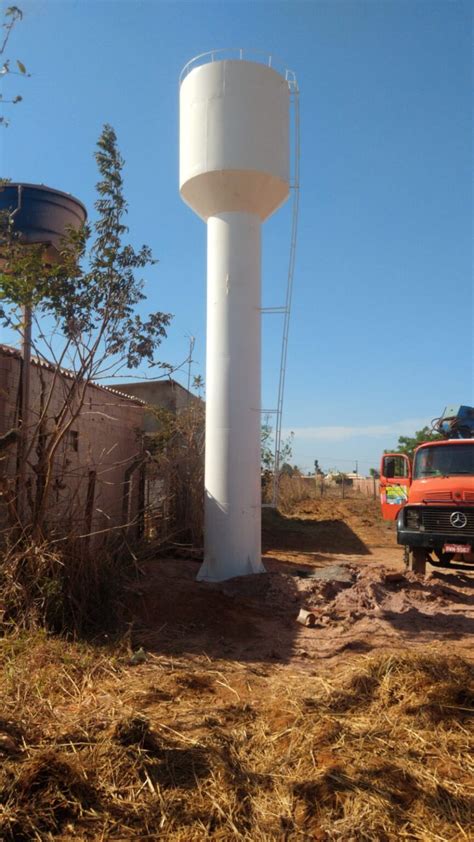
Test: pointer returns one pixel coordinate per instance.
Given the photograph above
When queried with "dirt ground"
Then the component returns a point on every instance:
(219, 717)
(335, 558)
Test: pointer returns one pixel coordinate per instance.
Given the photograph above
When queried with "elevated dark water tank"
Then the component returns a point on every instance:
(41, 214)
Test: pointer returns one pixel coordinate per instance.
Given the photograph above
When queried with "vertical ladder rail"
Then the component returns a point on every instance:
(285, 310)
(289, 289)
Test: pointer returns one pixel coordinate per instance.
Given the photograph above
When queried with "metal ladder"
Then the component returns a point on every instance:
(285, 310)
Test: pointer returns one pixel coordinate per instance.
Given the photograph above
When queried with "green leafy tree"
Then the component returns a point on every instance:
(268, 447)
(408, 444)
(198, 384)
(92, 294)
(89, 302)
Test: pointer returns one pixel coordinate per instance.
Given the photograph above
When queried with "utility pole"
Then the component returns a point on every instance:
(192, 341)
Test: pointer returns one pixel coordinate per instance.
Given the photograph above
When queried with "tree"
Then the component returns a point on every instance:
(177, 469)
(374, 473)
(198, 383)
(11, 17)
(408, 445)
(89, 300)
(268, 447)
(340, 478)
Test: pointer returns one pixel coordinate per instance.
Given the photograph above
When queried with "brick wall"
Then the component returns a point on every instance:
(165, 394)
(93, 465)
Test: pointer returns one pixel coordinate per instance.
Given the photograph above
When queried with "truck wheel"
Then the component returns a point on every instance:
(417, 561)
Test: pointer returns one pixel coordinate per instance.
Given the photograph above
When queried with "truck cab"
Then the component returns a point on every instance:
(432, 497)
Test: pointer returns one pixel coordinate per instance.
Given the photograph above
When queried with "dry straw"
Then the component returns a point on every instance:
(187, 749)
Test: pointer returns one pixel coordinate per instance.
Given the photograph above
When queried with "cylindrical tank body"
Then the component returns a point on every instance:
(41, 214)
(234, 172)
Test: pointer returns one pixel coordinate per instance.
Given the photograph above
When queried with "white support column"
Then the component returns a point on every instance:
(232, 470)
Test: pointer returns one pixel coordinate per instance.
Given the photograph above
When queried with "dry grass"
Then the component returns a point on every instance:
(67, 588)
(294, 490)
(187, 749)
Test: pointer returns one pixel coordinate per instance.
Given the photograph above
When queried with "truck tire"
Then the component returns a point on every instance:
(416, 560)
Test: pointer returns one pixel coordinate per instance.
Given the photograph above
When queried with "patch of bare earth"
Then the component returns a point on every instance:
(335, 558)
(234, 722)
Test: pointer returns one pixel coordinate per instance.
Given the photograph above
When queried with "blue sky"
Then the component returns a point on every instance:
(381, 336)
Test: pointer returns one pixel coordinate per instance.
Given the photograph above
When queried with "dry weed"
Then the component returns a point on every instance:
(187, 749)
(67, 587)
(294, 490)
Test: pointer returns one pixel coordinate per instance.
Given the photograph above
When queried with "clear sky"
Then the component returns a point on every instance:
(381, 336)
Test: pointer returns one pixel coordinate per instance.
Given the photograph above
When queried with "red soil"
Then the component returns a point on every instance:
(253, 619)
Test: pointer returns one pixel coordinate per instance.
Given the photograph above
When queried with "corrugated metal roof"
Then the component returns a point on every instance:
(8, 351)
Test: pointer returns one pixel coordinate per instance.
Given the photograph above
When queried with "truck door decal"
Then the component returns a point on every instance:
(395, 495)
(395, 481)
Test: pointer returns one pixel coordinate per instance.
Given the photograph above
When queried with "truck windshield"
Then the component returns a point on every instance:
(444, 461)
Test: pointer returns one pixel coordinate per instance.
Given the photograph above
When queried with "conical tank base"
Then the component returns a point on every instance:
(211, 570)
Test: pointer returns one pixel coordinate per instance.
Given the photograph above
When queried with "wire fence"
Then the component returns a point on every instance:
(342, 486)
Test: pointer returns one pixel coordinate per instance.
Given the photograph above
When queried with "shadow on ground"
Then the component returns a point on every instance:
(303, 535)
(253, 619)
(413, 622)
(245, 619)
(458, 579)
(249, 618)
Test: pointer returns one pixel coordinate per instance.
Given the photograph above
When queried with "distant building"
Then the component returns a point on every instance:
(164, 394)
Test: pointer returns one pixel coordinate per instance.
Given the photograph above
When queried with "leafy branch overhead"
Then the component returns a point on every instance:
(9, 67)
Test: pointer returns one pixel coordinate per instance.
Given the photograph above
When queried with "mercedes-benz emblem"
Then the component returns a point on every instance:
(458, 519)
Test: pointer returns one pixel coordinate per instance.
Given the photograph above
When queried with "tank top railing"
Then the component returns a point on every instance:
(240, 54)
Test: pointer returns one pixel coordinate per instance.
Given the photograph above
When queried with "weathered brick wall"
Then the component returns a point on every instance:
(9, 383)
(9, 389)
(165, 394)
(92, 467)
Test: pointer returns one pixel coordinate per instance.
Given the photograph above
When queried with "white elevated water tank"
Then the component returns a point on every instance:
(234, 173)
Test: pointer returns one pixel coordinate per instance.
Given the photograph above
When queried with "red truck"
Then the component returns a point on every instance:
(432, 497)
